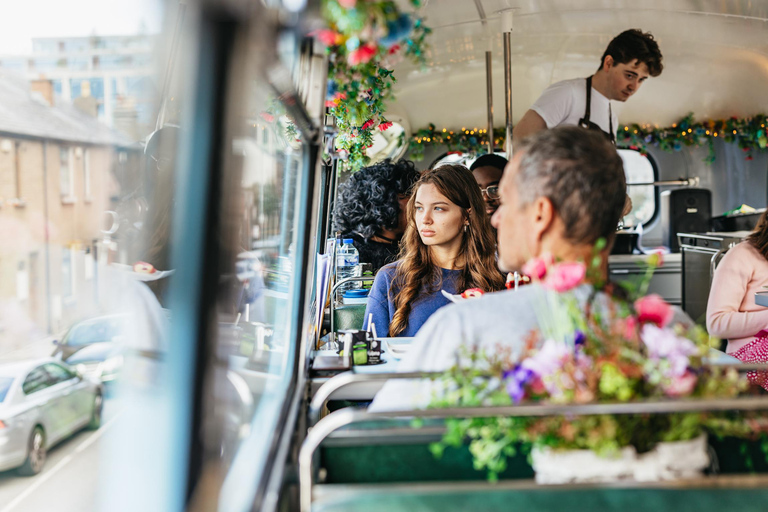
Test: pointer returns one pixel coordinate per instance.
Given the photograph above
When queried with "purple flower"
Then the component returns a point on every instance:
(516, 379)
(579, 339)
(664, 344)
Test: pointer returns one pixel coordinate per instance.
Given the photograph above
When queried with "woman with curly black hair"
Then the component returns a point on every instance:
(370, 209)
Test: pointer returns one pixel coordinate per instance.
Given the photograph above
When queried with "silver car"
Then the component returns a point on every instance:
(42, 402)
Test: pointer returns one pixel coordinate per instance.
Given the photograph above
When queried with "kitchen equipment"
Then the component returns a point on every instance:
(738, 222)
(625, 242)
(701, 254)
(686, 210)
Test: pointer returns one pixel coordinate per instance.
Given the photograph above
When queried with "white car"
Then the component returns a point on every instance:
(42, 402)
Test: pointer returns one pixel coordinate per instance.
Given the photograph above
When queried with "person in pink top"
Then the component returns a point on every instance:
(731, 310)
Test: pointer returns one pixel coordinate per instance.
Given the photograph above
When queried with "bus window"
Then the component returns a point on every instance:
(639, 168)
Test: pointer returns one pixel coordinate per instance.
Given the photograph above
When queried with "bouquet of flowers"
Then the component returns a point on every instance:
(619, 345)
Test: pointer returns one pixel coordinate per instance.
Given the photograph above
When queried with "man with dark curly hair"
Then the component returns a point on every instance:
(370, 209)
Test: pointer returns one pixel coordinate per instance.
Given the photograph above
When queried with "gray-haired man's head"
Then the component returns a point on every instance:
(567, 183)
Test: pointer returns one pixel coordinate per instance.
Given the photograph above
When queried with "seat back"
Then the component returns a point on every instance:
(350, 316)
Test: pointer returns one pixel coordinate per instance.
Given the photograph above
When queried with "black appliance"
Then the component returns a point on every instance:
(625, 242)
(738, 222)
(684, 210)
(701, 253)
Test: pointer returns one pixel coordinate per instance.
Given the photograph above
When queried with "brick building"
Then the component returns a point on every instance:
(57, 181)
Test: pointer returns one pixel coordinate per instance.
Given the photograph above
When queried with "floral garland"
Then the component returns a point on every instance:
(364, 40)
(749, 133)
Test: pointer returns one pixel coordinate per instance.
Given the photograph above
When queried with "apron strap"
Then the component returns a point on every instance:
(588, 109)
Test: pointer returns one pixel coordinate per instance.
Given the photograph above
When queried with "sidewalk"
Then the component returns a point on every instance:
(29, 350)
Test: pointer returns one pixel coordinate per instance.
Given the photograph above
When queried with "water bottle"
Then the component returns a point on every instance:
(347, 264)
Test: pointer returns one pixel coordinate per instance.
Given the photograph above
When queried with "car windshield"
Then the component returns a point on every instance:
(5, 385)
(94, 332)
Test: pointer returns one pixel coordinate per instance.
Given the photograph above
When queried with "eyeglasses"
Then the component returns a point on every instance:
(492, 192)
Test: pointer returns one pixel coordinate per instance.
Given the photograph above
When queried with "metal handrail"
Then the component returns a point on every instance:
(345, 417)
(336, 287)
(345, 379)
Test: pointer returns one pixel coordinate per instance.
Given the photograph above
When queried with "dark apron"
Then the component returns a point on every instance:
(584, 122)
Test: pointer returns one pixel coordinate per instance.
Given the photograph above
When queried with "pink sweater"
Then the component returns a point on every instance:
(731, 310)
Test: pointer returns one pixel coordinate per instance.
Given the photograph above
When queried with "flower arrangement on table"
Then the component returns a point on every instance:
(619, 346)
(364, 40)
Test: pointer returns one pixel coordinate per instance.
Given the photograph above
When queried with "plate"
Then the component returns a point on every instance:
(397, 346)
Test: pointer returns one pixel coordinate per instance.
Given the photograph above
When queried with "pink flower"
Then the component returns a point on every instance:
(327, 37)
(362, 55)
(630, 327)
(565, 276)
(536, 268)
(367, 124)
(385, 126)
(394, 48)
(682, 385)
(267, 117)
(348, 4)
(652, 308)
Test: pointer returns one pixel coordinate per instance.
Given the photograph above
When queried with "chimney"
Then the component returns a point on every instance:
(44, 88)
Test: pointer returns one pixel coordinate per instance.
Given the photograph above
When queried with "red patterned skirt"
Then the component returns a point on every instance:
(755, 352)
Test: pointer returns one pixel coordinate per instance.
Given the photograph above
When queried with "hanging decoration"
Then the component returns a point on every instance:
(469, 141)
(364, 41)
(749, 133)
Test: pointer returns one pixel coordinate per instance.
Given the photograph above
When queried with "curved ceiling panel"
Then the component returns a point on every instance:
(715, 57)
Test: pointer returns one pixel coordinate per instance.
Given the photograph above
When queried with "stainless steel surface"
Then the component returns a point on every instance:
(701, 252)
(344, 417)
(489, 92)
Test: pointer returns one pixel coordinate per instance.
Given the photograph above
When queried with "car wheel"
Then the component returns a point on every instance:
(98, 406)
(36, 453)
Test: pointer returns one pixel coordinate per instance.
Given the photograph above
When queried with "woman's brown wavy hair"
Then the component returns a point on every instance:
(478, 247)
(759, 237)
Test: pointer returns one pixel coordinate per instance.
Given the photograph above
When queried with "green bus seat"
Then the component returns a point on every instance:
(350, 316)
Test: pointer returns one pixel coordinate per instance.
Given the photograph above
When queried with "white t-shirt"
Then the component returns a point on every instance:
(564, 103)
(500, 320)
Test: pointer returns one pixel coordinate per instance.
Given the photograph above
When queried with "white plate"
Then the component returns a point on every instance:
(397, 346)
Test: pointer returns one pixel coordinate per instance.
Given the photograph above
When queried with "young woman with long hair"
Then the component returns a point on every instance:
(448, 245)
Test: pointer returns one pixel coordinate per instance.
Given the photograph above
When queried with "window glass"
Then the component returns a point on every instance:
(36, 380)
(95, 331)
(5, 386)
(58, 373)
(65, 172)
(639, 168)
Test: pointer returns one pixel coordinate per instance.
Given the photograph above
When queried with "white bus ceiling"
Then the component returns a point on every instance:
(715, 57)
(715, 65)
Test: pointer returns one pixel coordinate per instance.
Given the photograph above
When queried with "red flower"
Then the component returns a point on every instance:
(454, 153)
(471, 293)
(267, 117)
(394, 49)
(385, 126)
(327, 37)
(367, 124)
(362, 55)
(653, 309)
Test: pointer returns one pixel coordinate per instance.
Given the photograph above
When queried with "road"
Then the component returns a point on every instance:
(69, 480)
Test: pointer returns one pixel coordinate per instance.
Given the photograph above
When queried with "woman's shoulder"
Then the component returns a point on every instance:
(388, 271)
(744, 249)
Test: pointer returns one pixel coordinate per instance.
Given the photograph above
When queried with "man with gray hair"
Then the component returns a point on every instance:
(563, 191)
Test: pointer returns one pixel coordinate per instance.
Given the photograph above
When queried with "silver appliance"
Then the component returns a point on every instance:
(701, 254)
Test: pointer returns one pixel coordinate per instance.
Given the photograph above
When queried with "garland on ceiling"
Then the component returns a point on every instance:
(749, 133)
(364, 41)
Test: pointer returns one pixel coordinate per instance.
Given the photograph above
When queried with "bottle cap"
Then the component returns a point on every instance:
(348, 240)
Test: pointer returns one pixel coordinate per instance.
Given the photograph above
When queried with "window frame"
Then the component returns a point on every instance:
(47, 382)
(656, 193)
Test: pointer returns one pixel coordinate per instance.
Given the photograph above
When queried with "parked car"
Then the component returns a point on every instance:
(99, 361)
(42, 402)
(94, 330)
